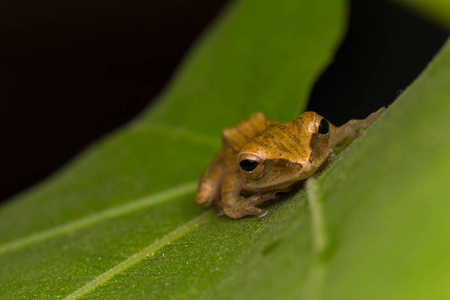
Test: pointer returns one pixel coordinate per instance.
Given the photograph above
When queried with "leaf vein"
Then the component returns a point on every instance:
(135, 258)
(109, 213)
(320, 242)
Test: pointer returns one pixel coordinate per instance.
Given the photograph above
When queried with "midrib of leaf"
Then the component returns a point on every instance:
(130, 206)
(192, 136)
(319, 235)
(109, 213)
(135, 258)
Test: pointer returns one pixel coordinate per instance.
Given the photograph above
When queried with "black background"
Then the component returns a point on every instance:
(72, 71)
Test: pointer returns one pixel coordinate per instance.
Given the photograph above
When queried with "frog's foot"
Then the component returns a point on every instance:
(258, 199)
(243, 209)
(205, 194)
(332, 155)
(288, 189)
(221, 214)
(367, 122)
(247, 206)
(375, 115)
(259, 212)
(353, 128)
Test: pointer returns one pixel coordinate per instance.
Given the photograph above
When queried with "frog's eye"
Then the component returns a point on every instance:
(324, 127)
(248, 165)
(251, 165)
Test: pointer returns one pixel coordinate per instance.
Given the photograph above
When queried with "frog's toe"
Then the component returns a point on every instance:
(234, 212)
(260, 198)
(205, 195)
(258, 212)
(221, 214)
(264, 215)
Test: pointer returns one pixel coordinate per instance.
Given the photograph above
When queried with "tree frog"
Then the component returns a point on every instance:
(261, 158)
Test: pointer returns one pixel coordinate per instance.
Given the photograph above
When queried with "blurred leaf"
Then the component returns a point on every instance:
(121, 220)
(374, 224)
(437, 10)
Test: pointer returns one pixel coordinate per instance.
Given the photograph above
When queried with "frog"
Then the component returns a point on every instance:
(262, 159)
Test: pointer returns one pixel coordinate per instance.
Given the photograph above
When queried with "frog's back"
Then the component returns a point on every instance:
(235, 137)
(225, 162)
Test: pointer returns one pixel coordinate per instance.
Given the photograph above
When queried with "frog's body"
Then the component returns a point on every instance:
(261, 158)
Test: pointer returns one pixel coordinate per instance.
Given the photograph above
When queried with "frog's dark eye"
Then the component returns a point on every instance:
(251, 165)
(248, 165)
(324, 127)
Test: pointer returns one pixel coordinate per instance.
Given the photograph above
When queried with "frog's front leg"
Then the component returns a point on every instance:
(236, 207)
(210, 182)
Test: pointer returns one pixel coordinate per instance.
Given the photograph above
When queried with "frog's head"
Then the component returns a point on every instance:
(285, 153)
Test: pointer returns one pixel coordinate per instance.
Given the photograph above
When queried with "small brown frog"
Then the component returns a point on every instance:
(261, 158)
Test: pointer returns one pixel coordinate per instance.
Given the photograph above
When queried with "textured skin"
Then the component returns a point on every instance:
(287, 152)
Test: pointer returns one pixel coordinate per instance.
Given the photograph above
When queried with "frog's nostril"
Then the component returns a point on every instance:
(248, 165)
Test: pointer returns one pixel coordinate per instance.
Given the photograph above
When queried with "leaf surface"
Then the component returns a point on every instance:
(121, 219)
(436, 10)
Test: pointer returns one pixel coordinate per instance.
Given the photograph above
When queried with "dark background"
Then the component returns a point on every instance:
(72, 71)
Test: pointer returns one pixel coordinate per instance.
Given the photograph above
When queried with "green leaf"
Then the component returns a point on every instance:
(128, 201)
(121, 220)
(437, 10)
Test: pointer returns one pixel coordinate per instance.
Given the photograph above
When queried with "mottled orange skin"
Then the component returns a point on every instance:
(286, 152)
